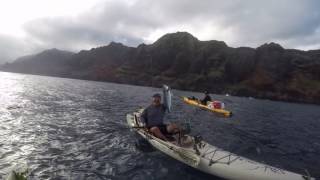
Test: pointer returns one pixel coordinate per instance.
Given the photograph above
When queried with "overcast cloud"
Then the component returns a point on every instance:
(292, 23)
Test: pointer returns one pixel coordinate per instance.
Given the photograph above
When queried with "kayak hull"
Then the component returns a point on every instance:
(222, 112)
(213, 160)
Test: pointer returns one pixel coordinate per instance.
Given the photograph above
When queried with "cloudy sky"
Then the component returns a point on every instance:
(31, 26)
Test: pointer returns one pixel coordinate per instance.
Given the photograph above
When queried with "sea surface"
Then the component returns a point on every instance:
(74, 129)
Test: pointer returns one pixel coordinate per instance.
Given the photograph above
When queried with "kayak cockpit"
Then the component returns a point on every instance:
(178, 139)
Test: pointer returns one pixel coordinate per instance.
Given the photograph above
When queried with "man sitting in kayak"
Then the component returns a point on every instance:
(206, 98)
(153, 116)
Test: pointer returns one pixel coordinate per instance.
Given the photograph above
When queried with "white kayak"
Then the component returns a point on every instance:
(210, 159)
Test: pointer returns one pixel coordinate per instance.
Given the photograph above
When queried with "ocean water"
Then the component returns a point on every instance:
(74, 129)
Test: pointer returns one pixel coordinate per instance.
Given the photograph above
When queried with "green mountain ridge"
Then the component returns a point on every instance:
(183, 62)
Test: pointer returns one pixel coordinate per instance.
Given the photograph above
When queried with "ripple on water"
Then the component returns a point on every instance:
(73, 129)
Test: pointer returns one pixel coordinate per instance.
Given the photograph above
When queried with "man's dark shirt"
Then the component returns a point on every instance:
(153, 115)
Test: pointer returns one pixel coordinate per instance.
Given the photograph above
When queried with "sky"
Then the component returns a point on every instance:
(28, 27)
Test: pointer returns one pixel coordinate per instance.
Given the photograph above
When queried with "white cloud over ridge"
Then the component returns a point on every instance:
(292, 23)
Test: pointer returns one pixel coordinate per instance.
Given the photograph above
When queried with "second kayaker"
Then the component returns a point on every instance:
(206, 99)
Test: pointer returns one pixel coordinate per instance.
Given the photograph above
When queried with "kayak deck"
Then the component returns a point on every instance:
(180, 150)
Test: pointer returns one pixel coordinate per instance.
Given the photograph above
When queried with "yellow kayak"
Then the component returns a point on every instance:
(223, 112)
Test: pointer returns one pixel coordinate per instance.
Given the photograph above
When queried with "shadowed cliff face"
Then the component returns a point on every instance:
(49, 62)
(184, 62)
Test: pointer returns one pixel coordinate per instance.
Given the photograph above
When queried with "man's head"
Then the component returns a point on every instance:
(206, 93)
(156, 99)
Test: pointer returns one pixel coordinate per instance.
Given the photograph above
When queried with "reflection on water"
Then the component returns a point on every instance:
(73, 129)
(12, 152)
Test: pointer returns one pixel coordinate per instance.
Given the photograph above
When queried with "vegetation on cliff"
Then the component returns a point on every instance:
(184, 62)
